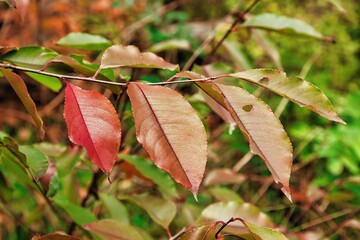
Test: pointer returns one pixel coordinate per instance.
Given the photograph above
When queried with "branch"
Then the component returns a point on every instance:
(60, 76)
(91, 79)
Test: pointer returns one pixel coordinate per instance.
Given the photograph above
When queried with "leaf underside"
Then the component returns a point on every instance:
(297, 90)
(130, 56)
(171, 132)
(93, 123)
(266, 135)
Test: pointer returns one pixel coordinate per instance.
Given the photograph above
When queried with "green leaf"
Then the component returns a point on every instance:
(50, 82)
(112, 229)
(87, 69)
(158, 176)
(282, 24)
(160, 210)
(130, 56)
(225, 195)
(31, 57)
(223, 211)
(172, 44)
(78, 214)
(12, 161)
(263, 233)
(297, 90)
(36, 160)
(67, 160)
(17, 83)
(115, 208)
(84, 41)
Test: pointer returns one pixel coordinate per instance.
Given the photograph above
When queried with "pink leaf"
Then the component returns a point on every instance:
(93, 123)
(171, 131)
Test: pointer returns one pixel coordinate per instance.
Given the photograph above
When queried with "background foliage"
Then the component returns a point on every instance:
(325, 178)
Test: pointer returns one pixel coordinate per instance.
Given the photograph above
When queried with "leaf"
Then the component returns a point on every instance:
(55, 236)
(215, 106)
(147, 168)
(84, 41)
(160, 210)
(172, 44)
(115, 208)
(295, 89)
(36, 160)
(282, 24)
(112, 229)
(266, 135)
(262, 233)
(79, 215)
(130, 56)
(202, 232)
(223, 176)
(224, 194)
(93, 123)
(13, 162)
(50, 82)
(171, 131)
(17, 83)
(31, 57)
(81, 67)
(88, 70)
(223, 211)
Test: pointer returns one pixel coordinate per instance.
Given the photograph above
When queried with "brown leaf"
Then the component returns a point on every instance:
(171, 131)
(17, 83)
(266, 135)
(130, 56)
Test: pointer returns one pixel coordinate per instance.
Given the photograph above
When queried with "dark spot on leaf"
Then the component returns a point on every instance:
(264, 80)
(247, 108)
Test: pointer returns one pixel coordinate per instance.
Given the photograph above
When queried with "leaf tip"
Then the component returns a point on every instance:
(195, 196)
(287, 192)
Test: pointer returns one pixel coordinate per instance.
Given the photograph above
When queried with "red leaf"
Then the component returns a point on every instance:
(171, 131)
(17, 83)
(93, 123)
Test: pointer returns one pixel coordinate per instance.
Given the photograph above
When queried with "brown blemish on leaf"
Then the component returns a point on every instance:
(264, 80)
(247, 108)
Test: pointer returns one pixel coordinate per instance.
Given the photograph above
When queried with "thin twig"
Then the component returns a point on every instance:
(90, 79)
(321, 220)
(60, 76)
(341, 225)
(239, 19)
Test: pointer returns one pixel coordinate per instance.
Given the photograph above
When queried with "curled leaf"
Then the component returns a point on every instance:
(17, 83)
(130, 56)
(93, 123)
(171, 131)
